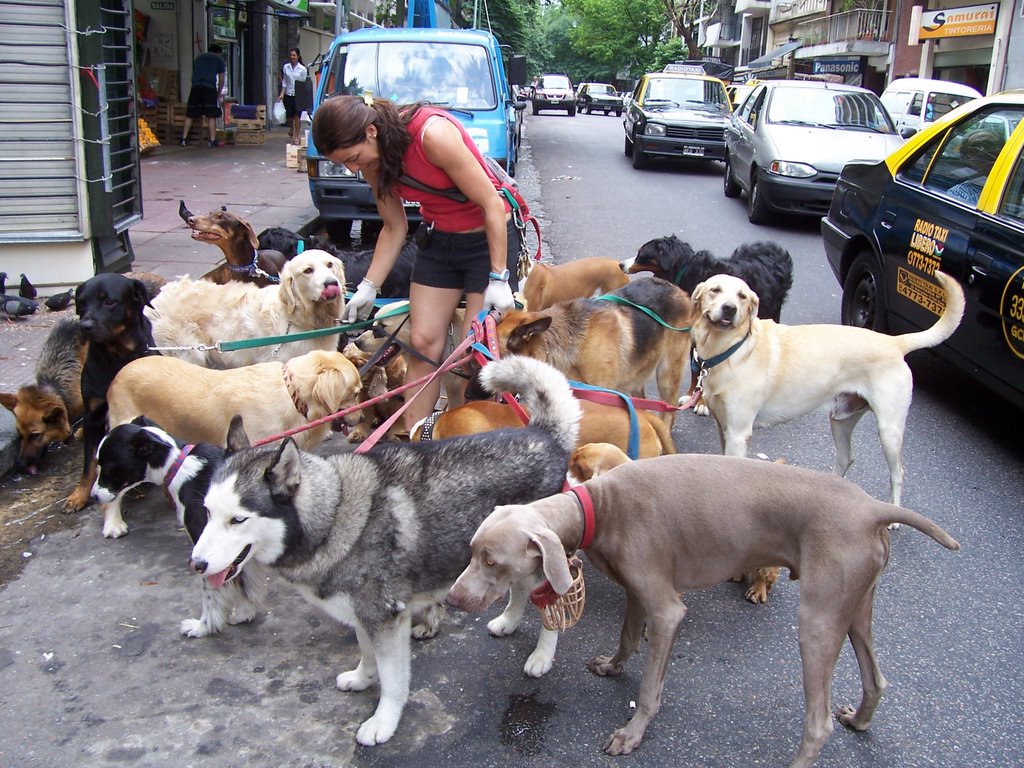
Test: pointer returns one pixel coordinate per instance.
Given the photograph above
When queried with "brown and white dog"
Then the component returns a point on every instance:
(611, 344)
(244, 260)
(193, 313)
(550, 284)
(591, 460)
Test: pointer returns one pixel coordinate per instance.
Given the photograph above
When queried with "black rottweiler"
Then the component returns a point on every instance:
(110, 310)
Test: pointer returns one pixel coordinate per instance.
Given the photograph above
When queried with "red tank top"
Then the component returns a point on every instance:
(448, 215)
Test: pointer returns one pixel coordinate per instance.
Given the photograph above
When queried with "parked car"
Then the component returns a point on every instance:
(914, 102)
(598, 97)
(934, 204)
(553, 92)
(676, 115)
(739, 91)
(789, 140)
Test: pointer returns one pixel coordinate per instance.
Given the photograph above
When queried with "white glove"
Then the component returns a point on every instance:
(498, 296)
(361, 303)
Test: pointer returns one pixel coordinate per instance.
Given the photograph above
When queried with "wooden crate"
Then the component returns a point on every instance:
(250, 137)
(292, 156)
(249, 125)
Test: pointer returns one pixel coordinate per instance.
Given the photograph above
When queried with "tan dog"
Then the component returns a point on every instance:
(778, 372)
(45, 410)
(600, 424)
(550, 284)
(607, 343)
(735, 515)
(195, 404)
(592, 460)
(191, 313)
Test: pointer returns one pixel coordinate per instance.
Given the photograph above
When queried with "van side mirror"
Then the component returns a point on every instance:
(517, 69)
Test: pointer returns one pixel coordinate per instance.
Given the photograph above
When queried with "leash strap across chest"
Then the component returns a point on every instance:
(178, 461)
(645, 310)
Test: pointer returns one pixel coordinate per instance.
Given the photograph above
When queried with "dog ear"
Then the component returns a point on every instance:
(141, 444)
(253, 240)
(140, 293)
(78, 299)
(526, 331)
(697, 295)
(56, 416)
(556, 564)
(284, 473)
(8, 400)
(237, 439)
(144, 421)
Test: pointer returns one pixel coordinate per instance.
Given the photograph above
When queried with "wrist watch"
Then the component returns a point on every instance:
(502, 276)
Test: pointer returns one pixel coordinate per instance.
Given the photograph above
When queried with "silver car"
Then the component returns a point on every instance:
(789, 140)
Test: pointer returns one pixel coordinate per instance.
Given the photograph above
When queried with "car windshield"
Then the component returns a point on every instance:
(554, 81)
(404, 72)
(677, 91)
(601, 90)
(827, 108)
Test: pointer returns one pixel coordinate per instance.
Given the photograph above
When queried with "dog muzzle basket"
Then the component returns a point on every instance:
(564, 611)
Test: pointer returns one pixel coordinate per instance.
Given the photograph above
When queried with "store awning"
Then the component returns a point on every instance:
(768, 58)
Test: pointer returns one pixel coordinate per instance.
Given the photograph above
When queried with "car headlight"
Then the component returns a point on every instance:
(329, 170)
(654, 129)
(793, 170)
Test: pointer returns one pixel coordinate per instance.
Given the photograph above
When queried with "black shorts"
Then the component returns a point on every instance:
(289, 107)
(462, 260)
(203, 102)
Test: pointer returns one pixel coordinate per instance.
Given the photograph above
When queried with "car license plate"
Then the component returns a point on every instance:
(693, 151)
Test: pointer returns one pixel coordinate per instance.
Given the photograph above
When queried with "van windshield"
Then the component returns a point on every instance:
(446, 74)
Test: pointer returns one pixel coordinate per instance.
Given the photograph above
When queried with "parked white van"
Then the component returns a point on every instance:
(914, 102)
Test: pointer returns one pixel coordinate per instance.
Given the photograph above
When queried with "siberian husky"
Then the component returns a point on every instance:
(372, 538)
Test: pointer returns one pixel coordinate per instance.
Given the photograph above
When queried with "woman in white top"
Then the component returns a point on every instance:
(293, 71)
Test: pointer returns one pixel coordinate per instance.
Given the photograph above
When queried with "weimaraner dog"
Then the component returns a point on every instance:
(734, 516)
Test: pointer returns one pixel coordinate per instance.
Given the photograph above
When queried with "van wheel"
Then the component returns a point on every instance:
(757, 212)
(864, 304)
(510, 166)
(730, 187)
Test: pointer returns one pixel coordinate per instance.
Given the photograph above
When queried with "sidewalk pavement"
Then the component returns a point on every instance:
(252, 180)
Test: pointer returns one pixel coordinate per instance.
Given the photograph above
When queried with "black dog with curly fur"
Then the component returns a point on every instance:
(766, 267)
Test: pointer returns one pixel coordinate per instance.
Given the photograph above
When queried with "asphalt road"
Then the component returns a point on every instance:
(93, 672)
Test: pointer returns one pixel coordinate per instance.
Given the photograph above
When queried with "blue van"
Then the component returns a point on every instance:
(459, 69)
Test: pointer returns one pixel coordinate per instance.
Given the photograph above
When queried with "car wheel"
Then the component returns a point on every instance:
(730, 187)
(628, 149)
(757, 212)
(572, 111)
(533, 108)
(863, 295)
(586, 110)
(639, 158)
(618, 113)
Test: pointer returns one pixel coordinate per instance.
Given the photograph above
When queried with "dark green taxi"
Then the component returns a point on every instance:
(951, 198)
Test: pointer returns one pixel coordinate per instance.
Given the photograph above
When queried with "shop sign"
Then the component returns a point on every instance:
(959, 22)
(847, 66)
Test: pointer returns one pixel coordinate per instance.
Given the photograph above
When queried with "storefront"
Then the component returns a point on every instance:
(964, 44)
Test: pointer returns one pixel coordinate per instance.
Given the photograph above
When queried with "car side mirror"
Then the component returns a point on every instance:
(907, 132)
(519, 106)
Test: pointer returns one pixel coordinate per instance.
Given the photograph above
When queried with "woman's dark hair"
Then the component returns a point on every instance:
(297, 54)
(341, 122)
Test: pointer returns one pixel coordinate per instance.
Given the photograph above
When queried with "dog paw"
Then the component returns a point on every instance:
(757, 594)
(622, 742)
(115, 529)
(76, 502)
(539, 664)
(355, 680)
(502, 626)
(604, 666)
(428, 622)
(195, 628)
(894, 526)
(847, 715)
(376, 730)
(701, 410)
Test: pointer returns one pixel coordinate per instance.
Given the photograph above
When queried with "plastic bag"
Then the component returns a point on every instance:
(278, 112)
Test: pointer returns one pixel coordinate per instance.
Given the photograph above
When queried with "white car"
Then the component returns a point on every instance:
(788, 142)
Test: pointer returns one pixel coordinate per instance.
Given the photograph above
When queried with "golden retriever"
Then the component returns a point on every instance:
(192, 313)
(778, 372)
(195, 404)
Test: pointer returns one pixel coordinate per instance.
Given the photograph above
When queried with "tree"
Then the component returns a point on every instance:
(619, 35)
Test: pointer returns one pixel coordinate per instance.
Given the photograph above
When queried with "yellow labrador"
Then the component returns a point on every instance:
(758, 372)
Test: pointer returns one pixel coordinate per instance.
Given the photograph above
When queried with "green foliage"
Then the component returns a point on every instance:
(511, 21)
(617, 37)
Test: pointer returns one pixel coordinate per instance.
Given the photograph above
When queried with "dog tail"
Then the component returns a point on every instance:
(892, 514)
(948, 320)
(544, 392)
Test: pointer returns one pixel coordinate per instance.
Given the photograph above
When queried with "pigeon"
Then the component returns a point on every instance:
(3, 283)
(16, 306)
(27, 290)
(59, 301)
(183, 211)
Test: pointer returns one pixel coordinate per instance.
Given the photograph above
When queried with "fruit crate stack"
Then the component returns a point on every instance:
(249, 122)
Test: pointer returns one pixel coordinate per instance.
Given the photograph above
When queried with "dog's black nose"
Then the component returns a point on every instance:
(199, 566)
(728, 311)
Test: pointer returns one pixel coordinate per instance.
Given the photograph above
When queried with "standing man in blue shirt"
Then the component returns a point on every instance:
(208, 73)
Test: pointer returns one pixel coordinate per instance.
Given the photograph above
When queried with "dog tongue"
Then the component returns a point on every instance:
(330, 292)
(216, 580)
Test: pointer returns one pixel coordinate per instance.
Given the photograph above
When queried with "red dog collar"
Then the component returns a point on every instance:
(587, 505)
